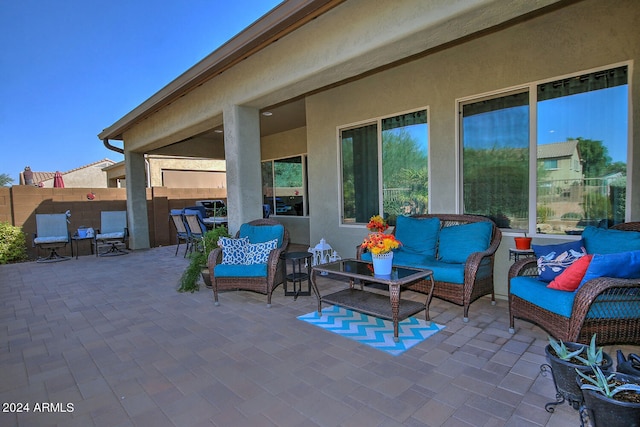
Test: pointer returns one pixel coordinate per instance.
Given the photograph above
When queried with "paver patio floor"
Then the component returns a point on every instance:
(109, 342)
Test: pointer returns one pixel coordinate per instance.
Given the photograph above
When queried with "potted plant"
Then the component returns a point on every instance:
(198, 261)
(610, 400)
(381, 245)
(564, 359)
(523, 243)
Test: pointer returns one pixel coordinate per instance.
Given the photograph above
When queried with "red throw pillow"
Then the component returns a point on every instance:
(571, 277)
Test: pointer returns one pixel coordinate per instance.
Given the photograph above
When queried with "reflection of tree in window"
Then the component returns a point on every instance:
(402, 155)
(495, 138)
(593, 107)
(405, 172)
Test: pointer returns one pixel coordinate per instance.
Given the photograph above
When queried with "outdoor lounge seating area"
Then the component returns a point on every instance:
(127, 349)
(601, 297)
(460, 249)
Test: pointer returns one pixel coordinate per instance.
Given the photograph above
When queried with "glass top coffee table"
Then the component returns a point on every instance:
(390, 308)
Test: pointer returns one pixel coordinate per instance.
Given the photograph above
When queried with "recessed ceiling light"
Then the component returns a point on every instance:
(218, 130)
(267, 113)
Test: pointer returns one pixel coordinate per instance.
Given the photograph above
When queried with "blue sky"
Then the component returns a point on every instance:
(71, 68)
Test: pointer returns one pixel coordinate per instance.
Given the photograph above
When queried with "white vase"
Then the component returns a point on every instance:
(382, 263)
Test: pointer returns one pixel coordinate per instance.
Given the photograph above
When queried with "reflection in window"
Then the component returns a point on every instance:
(581, 153)
(400, 153)
(582, 126)
(284, 186)
(495, 173)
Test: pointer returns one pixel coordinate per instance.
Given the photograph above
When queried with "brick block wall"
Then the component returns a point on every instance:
(19, 205)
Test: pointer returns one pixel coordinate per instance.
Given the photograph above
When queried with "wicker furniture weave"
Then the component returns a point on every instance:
(262, 285)
(474, 287)
(579, 327)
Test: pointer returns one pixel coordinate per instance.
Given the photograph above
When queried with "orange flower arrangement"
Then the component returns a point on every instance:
(378, 242)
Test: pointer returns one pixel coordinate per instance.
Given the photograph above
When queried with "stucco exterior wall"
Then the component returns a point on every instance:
(579, 37)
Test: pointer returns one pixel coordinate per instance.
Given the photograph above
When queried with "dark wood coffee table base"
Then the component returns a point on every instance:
(389, 307)
(374, 304)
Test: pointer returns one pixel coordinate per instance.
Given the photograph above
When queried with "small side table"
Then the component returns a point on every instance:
(299, 261)
(76, 239)
(516, 254)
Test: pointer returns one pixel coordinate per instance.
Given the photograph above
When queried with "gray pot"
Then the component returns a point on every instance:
(564, 373)
(606, 412)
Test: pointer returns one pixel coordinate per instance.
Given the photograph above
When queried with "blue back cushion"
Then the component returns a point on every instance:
(418, 235)
(262, 233)
(602, 241)
(459, 241)
(624, 265)
(553, 260)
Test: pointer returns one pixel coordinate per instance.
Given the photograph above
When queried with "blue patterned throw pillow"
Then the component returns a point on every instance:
(258, 253)
(554, 259)
(233, 250)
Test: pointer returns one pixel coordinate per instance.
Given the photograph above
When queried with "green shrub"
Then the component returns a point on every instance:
(198, 260)
(13, 244)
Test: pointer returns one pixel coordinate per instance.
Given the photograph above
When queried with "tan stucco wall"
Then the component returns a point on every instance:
(284, 144)
(388, 31)
(583, 36)
(578, 37)
(158, 164)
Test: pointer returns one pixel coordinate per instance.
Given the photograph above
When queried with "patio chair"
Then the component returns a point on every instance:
(182, 234)
(51, 234)
(195, 228)
(258, 277)
(113, 233)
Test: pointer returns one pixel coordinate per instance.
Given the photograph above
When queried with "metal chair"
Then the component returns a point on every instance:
(182, 234)
(113, 233)
(195, 228)
(51, 233)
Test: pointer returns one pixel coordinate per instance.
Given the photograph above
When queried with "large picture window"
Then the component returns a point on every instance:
(579, 140)
(385, 167)
(284, 186)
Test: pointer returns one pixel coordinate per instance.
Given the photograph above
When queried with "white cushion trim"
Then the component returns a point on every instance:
(51, 239)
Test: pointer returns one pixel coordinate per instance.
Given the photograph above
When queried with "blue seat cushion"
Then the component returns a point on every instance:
(457, 242)
(262, 233)
(535, 291)
(235, 270)
(418, 235)
(603, 241)
(530, 289)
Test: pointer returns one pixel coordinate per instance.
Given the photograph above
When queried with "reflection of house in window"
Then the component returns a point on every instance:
(560, 161)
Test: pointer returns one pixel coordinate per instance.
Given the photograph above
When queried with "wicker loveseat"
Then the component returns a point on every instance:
(606, 306)
(461, 258)
(261, 278)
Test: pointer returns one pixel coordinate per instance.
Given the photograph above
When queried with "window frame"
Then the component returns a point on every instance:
(532, 88)
(305, 184)
(378, 122)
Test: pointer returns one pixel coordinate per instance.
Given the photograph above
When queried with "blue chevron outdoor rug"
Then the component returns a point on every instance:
(369, 330)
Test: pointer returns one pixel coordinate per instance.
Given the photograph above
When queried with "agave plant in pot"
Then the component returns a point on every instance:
(564, 359)
(610, 400)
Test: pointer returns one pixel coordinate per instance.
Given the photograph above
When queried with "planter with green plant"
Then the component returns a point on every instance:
(610, 400)
(564, 359)
(198, 261)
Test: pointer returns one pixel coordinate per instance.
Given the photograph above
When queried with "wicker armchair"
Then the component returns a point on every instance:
(262, 284)
(475, 285)
(604, 306)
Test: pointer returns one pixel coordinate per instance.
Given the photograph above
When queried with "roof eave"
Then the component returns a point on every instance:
(280, 21)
